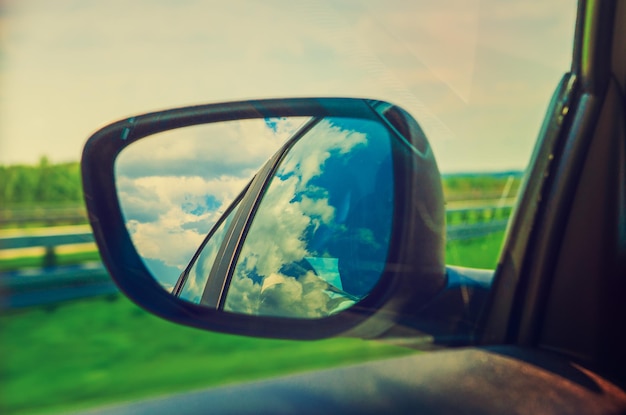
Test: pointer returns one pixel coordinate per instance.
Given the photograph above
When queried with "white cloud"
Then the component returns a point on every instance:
(172, 246)
(231, 148)
(308, 160)
(282, 218)
(174, 186)
(304, 297)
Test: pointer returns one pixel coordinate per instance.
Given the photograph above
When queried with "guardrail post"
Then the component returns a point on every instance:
(50, 258)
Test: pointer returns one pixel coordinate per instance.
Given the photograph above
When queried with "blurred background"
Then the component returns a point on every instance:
(477, 75)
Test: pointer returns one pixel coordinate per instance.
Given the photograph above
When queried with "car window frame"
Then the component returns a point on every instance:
(523, 277)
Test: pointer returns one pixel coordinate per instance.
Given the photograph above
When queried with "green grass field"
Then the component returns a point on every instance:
(475, 253)
(86, 353)
(89, 352)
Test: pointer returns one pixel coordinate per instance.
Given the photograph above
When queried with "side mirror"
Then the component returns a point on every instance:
(341, 231)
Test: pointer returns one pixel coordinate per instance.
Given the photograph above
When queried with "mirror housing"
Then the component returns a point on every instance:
(413, 276)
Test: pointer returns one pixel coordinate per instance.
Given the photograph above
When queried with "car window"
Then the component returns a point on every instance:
(476, 75)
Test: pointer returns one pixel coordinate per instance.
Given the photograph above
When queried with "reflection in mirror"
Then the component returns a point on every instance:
(194, 282)
(319, 240)
(174, 186)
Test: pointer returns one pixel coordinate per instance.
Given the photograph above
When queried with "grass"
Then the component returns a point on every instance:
(475, 253)
(90, 352)
(86, 353)
(42, 223)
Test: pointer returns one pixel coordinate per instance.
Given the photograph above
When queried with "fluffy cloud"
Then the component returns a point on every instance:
(272, 276)
(445, 61)
(232, 148)
(174, 186)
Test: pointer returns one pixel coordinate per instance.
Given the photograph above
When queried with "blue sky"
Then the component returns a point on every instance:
(476, 74)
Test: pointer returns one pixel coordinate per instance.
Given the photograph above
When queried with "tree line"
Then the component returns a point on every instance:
(45, 183)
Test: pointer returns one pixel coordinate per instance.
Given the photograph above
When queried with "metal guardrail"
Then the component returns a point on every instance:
(48, 216)
(53, 240)
(475, 230)
(31, 287)
(48, 241)
(51, 283)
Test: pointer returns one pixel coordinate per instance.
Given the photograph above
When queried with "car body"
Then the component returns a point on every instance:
(549, 337)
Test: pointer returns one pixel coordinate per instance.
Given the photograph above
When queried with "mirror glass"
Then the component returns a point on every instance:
(193, 283)
(173, 186)
(318, 242)
(318, 239)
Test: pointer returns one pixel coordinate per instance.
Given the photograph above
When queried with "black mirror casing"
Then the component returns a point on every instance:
(415, 270)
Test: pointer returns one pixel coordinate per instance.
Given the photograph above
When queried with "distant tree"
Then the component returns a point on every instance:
(42, 184)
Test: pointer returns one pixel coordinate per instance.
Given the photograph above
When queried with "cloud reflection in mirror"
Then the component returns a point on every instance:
(175, 185)
(319, 240)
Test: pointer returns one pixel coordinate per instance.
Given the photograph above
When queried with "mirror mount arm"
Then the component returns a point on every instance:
(449, 319)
